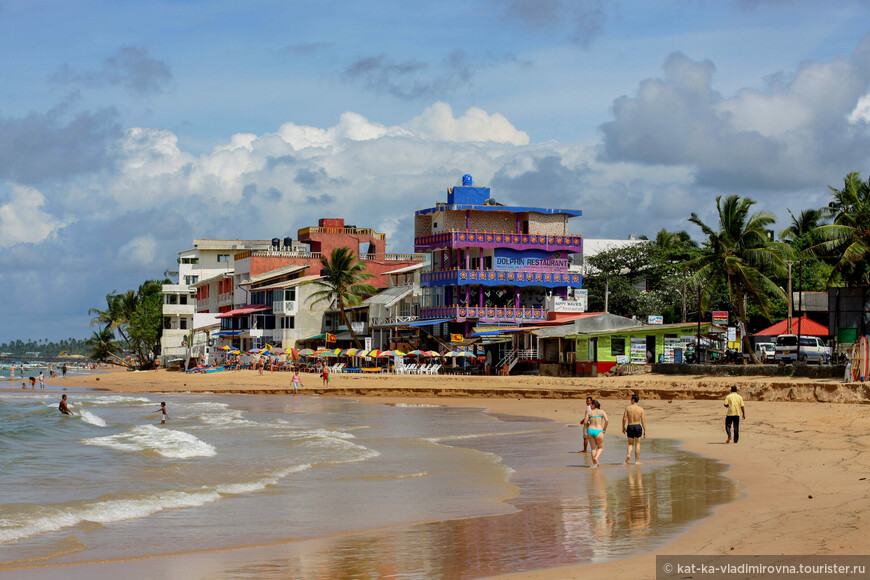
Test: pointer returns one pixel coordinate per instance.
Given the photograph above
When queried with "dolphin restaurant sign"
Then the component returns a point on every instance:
(530, 261)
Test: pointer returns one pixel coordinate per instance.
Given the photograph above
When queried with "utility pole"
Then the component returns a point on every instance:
(800, 308)
(606, 294)
(788, 329)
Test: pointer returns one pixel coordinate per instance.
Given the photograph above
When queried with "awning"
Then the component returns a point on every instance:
(228, 333)
(807, 327)
(320, 336)
(244, 311)
(430, 322)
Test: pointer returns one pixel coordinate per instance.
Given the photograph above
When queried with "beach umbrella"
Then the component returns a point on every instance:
(351, 352)
(277, 350)
(463, 353)
(417, 353)
(363, 353)
(235, 352)
(224, 347)
(397, 352)
(305, 352)
(375, 353)
(268, 346)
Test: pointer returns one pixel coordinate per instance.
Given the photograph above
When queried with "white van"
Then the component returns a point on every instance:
(812, 349)
(766, 352)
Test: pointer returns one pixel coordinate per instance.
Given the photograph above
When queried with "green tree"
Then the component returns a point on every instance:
(847, 240)
(344, 284)
(738, 256)
(801, 226)
(136, 315)
(679, 241)
(103, 345)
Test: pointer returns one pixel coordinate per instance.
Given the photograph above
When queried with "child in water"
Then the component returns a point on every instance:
(164, 416)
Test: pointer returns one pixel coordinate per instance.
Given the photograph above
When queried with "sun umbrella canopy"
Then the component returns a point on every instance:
(305, 352)
(417, 353)
(225, 347)
(351, 352)
(235, 352)
(463, 353)
(432, 353)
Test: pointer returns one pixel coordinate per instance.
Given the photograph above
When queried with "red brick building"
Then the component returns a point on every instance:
(368, 245)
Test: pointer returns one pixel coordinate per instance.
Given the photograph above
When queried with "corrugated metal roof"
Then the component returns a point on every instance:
(289, 283)
(273, 274)
(390, 295)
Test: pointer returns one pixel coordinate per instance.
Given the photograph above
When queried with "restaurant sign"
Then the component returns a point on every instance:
(720, 317)
(530, 261)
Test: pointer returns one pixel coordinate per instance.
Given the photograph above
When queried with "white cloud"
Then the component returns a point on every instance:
(861, 112)
(140, 252)
(438, 122)
(23, 219)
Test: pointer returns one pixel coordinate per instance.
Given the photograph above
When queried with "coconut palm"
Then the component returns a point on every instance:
(736, 254)
(674, 241)
(848, 238)
(802, 225)
(344, 284)
(103, 345)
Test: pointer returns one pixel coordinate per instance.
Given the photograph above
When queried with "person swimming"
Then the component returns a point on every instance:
(62, 407)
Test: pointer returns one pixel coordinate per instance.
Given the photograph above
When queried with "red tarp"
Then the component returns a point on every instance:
(808, 328)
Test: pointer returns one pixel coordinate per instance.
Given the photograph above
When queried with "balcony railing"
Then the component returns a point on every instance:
(285, 307)
(485, 314)
(181, 309)
(501, 278)
(318, 255)
(475, 239)
(351, 231)
(391, 320)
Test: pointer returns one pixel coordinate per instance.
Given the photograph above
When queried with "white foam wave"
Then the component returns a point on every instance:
(91, 418)
(112, 400)
(104, 512)
(118, 510)
(165, 442)
(482, 435)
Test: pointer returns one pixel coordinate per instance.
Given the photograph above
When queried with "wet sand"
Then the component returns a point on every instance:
(800, 466)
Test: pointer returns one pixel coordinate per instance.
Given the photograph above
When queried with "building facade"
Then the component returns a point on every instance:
(495, 264)
(182, 312)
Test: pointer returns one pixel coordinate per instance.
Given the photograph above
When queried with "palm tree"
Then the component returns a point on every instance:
(802, 225)
(670, 241)
(849, 236)
(736, 254)
(344, 284)
(103, 345)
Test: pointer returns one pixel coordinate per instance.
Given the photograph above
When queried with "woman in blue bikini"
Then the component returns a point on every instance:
(597, 426)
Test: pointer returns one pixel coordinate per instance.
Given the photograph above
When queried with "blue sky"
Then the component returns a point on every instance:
(127, 129)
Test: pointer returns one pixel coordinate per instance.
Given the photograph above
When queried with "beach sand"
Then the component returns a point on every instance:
(800, 463)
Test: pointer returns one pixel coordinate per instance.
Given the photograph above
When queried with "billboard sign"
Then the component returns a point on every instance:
(655, 320)
(720, 317)
(530, 260)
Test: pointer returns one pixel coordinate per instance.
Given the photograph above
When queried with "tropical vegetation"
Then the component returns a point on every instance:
(136, 316)
(344, 284)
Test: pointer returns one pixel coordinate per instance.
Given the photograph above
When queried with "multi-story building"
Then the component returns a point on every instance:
(495, 264)
(184, 305)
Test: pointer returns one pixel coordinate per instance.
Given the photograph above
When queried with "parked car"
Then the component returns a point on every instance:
(812, 349)
(766, 352)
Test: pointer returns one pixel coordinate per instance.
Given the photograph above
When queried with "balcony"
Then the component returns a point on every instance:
(225, 298)
(318, 255)
(485, 314)
(178, 309)
(305, 232)
(359, 327)
(474, 239)
(501, 278)
(286, 307)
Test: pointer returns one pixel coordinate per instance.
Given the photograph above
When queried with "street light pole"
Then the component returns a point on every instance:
(789, 297)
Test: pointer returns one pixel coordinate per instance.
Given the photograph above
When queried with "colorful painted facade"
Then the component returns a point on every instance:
(494, 263)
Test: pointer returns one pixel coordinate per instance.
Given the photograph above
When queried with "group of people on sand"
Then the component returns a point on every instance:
(64, 409)
(595, 423)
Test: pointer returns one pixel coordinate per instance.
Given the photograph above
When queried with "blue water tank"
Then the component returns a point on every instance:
(466, 180)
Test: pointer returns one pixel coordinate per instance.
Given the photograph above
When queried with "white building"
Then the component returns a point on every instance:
(206, 260)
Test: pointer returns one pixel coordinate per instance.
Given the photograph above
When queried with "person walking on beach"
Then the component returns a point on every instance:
(324, 374)
(162, 410)
(634, 427)
(62, 407)
(296, 382)
(585, 423)
(598, 422)
(41, 380)
(63, 370)
(734, 404)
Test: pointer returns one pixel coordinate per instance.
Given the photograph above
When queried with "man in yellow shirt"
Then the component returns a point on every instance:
(734, 404)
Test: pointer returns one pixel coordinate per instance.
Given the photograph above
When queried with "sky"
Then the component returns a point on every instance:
(130, 128)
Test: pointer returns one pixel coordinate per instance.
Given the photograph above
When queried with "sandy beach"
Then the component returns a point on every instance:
(799, 464)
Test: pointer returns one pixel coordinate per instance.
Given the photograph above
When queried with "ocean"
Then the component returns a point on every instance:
(323, 487)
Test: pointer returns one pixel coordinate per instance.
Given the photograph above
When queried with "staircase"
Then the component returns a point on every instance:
(509, 360)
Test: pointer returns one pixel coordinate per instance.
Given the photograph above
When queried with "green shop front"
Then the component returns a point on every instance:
(665, 343)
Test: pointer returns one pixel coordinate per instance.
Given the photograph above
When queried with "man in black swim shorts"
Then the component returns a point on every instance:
(62, 406)
(634, 427)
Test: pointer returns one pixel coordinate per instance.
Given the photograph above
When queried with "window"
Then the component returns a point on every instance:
(617, 346)
(191, 280)
(182, 299)
(182, 323)
(167, 322)
(288, 322)
(223, 258)
(171, 299)
(190, 260)
(290, 294)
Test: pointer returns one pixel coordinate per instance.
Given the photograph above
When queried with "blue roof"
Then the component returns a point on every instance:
(510, 208)
(428, 322)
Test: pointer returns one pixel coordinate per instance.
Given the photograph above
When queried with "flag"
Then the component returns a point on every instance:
(330, 337)
(456, 338)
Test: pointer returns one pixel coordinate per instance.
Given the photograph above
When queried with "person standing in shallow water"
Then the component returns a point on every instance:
(634, 427)
(734, 404)
(585, 423)
(162, 410)
(597, 427)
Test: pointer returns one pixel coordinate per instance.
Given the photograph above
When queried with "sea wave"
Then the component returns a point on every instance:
(91, 418)
(164, 442)
(52, 519)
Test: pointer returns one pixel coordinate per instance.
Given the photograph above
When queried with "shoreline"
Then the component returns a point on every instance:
(799, 466)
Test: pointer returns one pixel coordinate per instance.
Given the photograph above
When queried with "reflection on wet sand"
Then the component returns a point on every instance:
(566, 514)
